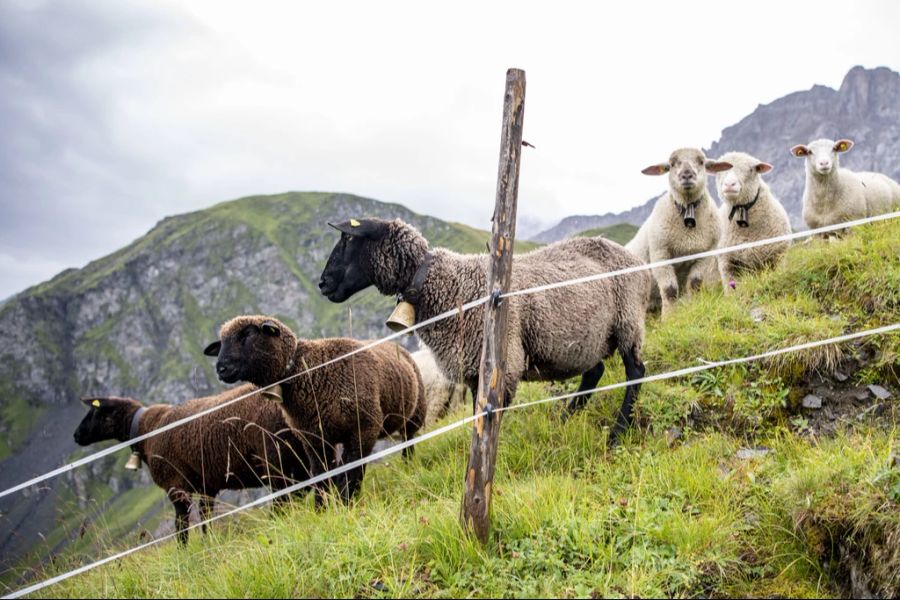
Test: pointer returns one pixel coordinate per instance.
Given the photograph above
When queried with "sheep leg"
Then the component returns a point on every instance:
(700, 272)
(181, 500)
(316, 466)
(589, 381)
(634, 369)
(206, 509)
(354, 449)
(726, 270)
(667, 281)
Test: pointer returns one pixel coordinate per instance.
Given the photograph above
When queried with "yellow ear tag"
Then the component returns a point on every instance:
(842, 147)
(354, 223)
(95, 403)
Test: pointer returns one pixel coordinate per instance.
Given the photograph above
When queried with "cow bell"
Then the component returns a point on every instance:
(689, 221)
(134, 462)
(403, 317)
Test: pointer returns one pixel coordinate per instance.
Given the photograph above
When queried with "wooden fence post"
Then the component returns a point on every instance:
(475, 514)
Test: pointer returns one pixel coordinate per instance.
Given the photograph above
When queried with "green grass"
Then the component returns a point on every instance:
(655, 517)
(620, 233)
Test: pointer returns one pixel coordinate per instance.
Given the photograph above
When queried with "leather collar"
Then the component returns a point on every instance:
(743, 210)
(413, 293)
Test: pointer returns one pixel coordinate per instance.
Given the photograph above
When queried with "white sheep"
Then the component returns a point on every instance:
(749, 212)
(441, 394)
(834, 194)
(683, 222)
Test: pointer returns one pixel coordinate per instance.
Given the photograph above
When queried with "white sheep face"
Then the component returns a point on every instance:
(687, 169)
(739, 184)
(822, 155)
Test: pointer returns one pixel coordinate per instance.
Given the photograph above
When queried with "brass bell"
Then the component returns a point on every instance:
(134, 462)
(273, 394)
(404, 316)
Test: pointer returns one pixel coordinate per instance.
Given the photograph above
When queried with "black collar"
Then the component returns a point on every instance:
(133, 432)
(135, 423)
(743, 210)
(687, 212)
(413, 293)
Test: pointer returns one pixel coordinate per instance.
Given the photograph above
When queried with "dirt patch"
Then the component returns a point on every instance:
(829, 403)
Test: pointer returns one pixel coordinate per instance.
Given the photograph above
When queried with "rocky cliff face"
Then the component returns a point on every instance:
(866, 109)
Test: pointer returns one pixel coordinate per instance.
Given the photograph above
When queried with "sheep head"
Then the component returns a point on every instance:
(687, 168)
(822, 155)
(372, 252)
(256, 348)
(739, 184)
(108, 418)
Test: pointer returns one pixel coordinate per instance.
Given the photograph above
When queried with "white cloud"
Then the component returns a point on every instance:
(197, 103)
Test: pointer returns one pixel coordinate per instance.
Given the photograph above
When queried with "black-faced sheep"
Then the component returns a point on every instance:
(244, 445)
(683, 222)
(834, 194)
(749, 212)
(351, 402)
(552, 335)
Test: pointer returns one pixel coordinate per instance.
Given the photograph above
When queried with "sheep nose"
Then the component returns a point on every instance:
(220, 368)
(322, 284)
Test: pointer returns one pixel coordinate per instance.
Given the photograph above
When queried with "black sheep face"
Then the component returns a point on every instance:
(348, 269)
(254, 352)
(106, 420)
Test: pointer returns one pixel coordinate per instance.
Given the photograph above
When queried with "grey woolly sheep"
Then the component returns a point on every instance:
(749, 212)
(683, 222)
(244, 445)
(552, 335)
(834, 194)
(351, 402)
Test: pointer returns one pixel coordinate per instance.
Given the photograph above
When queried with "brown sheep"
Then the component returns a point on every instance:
(351, 402)
(244, 445)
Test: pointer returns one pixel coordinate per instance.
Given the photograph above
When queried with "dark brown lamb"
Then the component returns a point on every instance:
(350, 403)
(247, 444)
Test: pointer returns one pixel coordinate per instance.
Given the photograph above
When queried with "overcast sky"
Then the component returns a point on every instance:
(116, 114)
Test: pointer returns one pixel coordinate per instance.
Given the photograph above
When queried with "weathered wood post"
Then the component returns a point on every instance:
(475, 515)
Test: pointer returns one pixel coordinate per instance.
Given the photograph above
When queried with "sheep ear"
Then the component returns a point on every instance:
(843, 145)
(660, 169)
(373, 229)
(764, 167)
(92, 402)
(270, 328)
(714, 166)
(213, 349)
(799, 150)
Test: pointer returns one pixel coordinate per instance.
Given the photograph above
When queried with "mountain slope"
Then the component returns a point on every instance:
(866, 108)
(135, 322)
(728, 487)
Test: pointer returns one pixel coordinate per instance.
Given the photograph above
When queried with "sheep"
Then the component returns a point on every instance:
(683, 222)
(442, 394)
(749, 212)
(350, 403)
(244, 445)
(834, 194)
(553, 335)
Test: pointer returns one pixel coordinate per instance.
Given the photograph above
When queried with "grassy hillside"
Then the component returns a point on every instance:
(135, 322)
(620, 233)
(726, 487)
